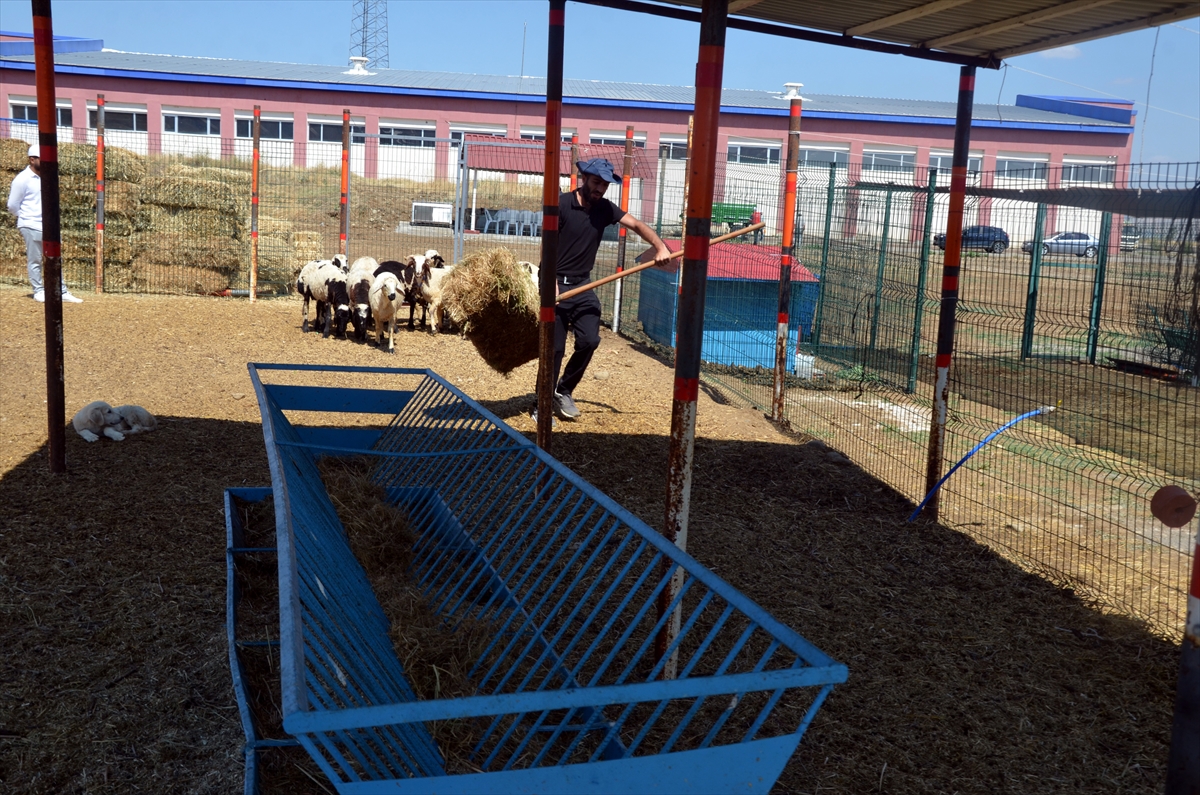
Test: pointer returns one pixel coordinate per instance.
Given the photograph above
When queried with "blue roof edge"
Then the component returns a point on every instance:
(62, 44)
(1075, 108)
(567, 100)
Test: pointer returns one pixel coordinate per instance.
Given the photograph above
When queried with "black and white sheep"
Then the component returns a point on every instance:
(358, 288)
(387, 296)
(326, 283)
(406, 273)
(307, 277)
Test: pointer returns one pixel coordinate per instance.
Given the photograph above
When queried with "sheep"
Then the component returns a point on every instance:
(327, 284)
(532, 270)
(308, 277)
(435, 259)
(342, 261)
(429, 284)
(358, 288)
(386, 297)
(406, 274)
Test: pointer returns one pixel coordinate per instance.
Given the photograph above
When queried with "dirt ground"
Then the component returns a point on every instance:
(966, 673)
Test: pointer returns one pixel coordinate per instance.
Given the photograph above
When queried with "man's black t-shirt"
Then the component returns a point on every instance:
(580, 231)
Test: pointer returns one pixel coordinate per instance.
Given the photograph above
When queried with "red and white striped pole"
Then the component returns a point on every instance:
(622, 240)
(99, 193)
(950, 271)
(690, 324)
(52, 278)
(548, 272)
(254, 205)
(1174, 507)
(787, 253)
(344, 218)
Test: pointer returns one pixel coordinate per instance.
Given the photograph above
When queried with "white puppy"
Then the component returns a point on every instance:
(135, 419)
(98, 418)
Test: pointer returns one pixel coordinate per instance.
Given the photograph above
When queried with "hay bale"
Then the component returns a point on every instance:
(307, 245)
(194, 222)
(78, 160)
(239, 177)
(184, 192)
(178, 250)
(493, 300)
(275, 227)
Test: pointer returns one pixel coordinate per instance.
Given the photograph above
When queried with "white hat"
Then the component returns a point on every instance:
(34, 151)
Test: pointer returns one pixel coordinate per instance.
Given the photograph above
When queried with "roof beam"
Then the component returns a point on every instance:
(893, 20)
(738, 5)
(1031, 18)
(1185, 11)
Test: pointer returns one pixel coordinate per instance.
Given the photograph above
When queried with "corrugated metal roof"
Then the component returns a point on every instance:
(606, 92)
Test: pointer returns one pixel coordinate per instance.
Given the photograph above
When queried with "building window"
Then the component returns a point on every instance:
(943, 164)
(672, 150)
(332, 133)
(888, 161)
(821, 158)
(456, 136)
(601, 140)
(1089, 172)
(29, 113)
(407, 136)
(756, 154)
(1021, 169)
(189, 125)
(129, 121)
(527, 136)
(274, 130)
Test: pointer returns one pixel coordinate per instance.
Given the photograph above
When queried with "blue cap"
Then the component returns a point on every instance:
(600, 167)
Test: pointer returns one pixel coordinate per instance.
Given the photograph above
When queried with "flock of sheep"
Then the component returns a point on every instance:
(369, 291)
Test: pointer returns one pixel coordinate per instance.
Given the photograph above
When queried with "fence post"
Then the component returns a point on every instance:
(254, 162)
(344, 219)
(690, 323)
(662, 191)
(548, 274)
(816, 333)
(99, 193)
(1098, 287)
(626, 184)
(786, 252)
(1183, 761)
(52, 276)
(914, 358)
(883, 241)
(574, 158)
(460, 214)
(1031, 291)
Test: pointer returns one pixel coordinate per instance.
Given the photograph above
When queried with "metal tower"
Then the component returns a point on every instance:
(369, 32)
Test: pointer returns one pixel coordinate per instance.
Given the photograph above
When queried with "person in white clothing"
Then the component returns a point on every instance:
(25, 202)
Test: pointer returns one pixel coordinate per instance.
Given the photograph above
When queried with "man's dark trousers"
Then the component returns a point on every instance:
(581, 315)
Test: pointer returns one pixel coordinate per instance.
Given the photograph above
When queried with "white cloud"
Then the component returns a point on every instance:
(1068, 53)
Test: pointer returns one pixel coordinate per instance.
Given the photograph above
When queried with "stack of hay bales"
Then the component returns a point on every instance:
(124, 216)
(282, 251)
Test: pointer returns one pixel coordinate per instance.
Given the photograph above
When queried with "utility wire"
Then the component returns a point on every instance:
(1105, 93)
(1146, 118)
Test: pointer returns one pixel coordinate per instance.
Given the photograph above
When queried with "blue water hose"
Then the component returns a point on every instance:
(974, 450)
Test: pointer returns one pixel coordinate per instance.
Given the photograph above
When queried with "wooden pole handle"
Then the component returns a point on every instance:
(630, 271)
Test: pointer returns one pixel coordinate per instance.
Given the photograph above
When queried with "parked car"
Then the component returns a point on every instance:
(989, 238)
(1130, 237)
(1077, 243)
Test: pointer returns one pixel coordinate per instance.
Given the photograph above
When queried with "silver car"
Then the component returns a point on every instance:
(1077, 243)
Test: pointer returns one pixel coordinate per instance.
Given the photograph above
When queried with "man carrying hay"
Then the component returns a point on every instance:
(25, 202)
(583, 215)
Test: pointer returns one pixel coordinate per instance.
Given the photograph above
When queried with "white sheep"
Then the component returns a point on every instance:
(308, 276)
(429, 284)
(435, 259)
(358, 289)
(387, 296)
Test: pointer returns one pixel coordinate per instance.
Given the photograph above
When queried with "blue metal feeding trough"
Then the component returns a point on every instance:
(594, 681)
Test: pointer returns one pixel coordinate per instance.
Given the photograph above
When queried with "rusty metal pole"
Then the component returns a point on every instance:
(99, 193)
(52, 277)
(785, 258)
(344, 218)
(574, 159)
(549, 264)
(690, 324)
(950, 268)
(626, 183)
(254, 163)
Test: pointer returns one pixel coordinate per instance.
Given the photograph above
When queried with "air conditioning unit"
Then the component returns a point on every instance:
(433, 213)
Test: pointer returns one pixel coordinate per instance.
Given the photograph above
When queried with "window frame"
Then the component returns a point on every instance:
(773, 154)
(111, 114)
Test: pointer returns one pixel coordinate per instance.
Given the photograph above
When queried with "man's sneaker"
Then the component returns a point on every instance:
(565, 406)
(70, 299)
(553, 419)
(40, 296)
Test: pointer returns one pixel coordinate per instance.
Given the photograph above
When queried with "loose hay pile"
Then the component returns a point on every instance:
(495, 303)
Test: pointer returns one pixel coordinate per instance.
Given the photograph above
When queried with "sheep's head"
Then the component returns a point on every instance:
(342, 261)
(434, 258)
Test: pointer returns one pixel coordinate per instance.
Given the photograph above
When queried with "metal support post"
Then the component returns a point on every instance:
(52, 277)
(574, 159)
(254, 166)
(460, 217)
(662, 190)
(786, 254)
(820, 314)
(1093, 339)
(914, 356)
(1183, 761)
(879, 270)
(344, 217)
(626, 184)
(99, 193)
(690, 322)
(950, 268)
(1035, 277)
(549, 263)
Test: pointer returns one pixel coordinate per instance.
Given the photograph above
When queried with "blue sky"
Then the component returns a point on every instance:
(485, 36)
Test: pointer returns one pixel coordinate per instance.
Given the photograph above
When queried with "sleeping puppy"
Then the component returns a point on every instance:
(135, 419)
(98, 418)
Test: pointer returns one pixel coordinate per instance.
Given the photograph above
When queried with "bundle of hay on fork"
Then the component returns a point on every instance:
(495, 302)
